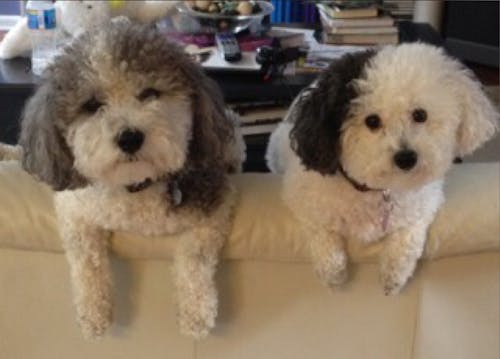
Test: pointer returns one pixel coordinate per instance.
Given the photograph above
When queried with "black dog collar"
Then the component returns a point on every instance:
(363, 187)
(359, 186)
(137, 187)
(173, 189)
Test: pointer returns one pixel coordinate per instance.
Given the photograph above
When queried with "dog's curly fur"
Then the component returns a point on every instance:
(341, 177)
(328, 104)
(124, 77)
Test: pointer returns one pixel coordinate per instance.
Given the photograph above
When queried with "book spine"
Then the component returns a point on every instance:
(288, 11)
(300, 11)
(361, 40)
(273, 14)
(297, 11)
(277, 10)
(363, 30)
(313, 13)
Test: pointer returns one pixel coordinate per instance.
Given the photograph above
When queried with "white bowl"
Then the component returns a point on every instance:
(208, 22)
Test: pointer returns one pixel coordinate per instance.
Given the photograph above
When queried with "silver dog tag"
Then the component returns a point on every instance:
(176, 194)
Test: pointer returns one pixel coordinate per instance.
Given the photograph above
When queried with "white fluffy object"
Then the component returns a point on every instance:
(75, 17)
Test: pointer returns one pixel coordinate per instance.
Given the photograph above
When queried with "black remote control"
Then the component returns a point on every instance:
(228, 46)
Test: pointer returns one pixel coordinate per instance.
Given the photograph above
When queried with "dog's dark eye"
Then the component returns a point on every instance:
(419, 115)
(148, 93)
(373, 122)
(92, 105)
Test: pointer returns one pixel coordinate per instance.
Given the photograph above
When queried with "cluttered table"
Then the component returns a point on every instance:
(240, 84)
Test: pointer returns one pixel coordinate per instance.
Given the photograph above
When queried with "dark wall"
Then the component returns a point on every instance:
(11, 104)
(471, 30)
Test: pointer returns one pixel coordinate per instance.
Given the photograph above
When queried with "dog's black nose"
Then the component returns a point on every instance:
(405, 159)
(130, 140)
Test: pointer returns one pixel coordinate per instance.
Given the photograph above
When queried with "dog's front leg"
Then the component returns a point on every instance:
(328, 255)
(194, 268)
(400, 255)
(87, 255)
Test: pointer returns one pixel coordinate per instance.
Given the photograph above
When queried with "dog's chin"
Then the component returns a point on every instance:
(129, 173)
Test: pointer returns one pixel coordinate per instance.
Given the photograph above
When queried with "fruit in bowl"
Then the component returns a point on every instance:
(211, 16)
(230, 8)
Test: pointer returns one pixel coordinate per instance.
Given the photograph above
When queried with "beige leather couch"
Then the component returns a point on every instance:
(271, 305)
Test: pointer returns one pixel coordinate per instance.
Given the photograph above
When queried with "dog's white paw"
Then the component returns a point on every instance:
(395, 273)
(332, 270)
(197, 323)
(392, 280)
(391, 286)
(197, 317)
(95, 319)
(94, 328)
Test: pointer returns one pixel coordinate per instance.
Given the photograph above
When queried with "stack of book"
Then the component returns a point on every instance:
(356, 23)
(400, 9)
(258, 118)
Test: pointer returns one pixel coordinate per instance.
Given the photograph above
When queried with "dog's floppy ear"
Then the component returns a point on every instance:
(212, 130)
(45, 153)
(202, 181)
(479, 119)
(320, 112)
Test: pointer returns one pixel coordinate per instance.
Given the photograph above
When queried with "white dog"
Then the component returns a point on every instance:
(134, 137)
(365, 149)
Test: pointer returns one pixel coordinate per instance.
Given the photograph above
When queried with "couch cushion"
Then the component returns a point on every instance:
(263, 227)
(459, 313)
(266, 310)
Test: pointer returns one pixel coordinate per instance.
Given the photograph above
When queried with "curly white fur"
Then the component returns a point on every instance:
(393, 83)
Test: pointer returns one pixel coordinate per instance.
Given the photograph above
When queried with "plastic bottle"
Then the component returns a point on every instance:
(42, 24)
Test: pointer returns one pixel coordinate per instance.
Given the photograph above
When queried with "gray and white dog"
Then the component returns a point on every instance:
(365, 150)
(133, 136)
